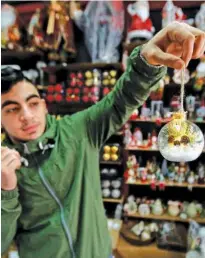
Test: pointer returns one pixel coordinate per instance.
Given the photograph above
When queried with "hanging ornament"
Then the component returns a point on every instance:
(180, 140)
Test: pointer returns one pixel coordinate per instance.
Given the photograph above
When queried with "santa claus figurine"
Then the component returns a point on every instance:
(171, 13)
(200, 18)
(141, 26)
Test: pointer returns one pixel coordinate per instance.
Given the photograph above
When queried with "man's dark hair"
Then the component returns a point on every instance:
(10, 75)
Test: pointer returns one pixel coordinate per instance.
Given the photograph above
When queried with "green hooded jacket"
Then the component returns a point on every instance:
(57, 210)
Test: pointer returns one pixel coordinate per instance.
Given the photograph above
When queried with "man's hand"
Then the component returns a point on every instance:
(10, 161)
(175, 45)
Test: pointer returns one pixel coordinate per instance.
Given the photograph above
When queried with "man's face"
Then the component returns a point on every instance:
(23, 112)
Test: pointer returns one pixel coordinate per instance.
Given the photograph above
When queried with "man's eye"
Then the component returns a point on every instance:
(12, 110)
(34, 104)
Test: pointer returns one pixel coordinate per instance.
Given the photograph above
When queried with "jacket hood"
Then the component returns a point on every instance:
(45, 141)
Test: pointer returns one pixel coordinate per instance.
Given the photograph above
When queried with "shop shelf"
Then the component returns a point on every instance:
(164, 217)
(168, 184)
(83, 66)
(109, 162)
(112, 200)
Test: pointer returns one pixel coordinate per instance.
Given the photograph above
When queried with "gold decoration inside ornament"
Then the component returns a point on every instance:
(180, 140)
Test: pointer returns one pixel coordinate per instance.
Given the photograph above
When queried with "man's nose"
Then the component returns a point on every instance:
(26, 114)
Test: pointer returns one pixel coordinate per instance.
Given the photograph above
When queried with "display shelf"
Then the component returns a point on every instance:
(112, 200)
(82, 66)
(169, 184)
(119, 133)
(110, 162)
(163, 121)
(130, 148)
(164, 217)
(66, 108)
(12, 56)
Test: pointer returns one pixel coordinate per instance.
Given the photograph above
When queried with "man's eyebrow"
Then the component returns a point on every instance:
(9, 102)
(32, 96)
(12, 102)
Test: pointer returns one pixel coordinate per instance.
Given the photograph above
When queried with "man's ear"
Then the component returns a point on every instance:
(45, 106)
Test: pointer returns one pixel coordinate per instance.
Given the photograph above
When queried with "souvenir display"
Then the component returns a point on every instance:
(139, 233)
(145, 207)
(132, 169)
(199, 75)
(180, 140)
(109, 172)
(111, 152)
(157, 92)
(138, 158)
(157, 207)
(171, 13)
(174, 208)
(141, 26)
(40, 65)
(111, 188)
(59, 27)
(10, 32)
(172, 236)
(36, 35)
(107, 20)
(130, 207)
(196, 241)
(201, 173)
(108, 80)
(199, 19)
(190, 105)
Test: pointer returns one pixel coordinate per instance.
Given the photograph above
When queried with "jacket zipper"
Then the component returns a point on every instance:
(53, 194)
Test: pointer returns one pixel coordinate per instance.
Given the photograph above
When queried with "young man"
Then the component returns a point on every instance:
(51, 194)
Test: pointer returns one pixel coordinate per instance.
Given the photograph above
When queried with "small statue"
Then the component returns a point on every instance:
(199, 75)
(59, 28)
(199, 19)
(201, 173)
(138, 137)
(102, 23)
(171, 13)
(141, 26)
(35, 31)
(131, 172)
(10, 31)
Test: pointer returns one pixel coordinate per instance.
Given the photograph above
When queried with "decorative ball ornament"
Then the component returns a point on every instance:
(180, 140)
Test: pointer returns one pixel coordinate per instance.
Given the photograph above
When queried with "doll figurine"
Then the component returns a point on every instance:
(59, 28)
(10, 32)
(141, 26)
(35, 31)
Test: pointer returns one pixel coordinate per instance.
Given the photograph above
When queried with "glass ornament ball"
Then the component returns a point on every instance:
(180, 141)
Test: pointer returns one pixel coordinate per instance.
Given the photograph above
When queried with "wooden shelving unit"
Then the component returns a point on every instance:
(82, 66)
(165, 217)
(111, 200)
(111, 162)
(130, 148)
(168, 184)
(163, 121)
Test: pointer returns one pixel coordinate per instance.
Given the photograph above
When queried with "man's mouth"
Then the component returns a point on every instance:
(30, 128)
